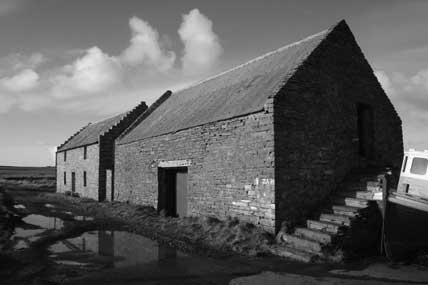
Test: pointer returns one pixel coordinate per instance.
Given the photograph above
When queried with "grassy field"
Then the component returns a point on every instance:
(28, 178)
(27, 172)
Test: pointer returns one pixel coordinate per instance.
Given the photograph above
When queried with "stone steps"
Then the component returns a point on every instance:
(345, 210)
(300, 243)
(314, 241)
(352, 202)
(336, 219)
(315, 235)
(364, 195)
(293, 253)
(323, 226)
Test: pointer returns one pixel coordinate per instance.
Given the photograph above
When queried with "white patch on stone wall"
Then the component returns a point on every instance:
(256, 181)
(267, 181)
(175, 163)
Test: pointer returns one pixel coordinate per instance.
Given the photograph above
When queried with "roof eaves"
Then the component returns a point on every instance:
(179, 130)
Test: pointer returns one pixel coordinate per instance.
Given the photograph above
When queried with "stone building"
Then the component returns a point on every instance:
(85, 161)
(267, 141)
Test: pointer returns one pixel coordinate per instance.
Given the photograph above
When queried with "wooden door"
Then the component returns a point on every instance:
(73, 182)
(181, 192)
(172, 195)
(366, 131)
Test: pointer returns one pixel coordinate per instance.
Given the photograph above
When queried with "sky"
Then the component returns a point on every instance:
(66, 63)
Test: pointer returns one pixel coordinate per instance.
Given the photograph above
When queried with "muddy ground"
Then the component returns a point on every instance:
(49, 238)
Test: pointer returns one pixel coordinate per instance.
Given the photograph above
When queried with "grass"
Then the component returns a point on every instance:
(27, 172)
(28, 178)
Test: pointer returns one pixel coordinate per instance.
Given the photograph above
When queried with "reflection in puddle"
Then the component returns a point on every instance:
(19, 206)
(34, 226)
(113, 248)
(44, 222)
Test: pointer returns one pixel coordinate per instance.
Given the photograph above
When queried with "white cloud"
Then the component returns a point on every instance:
(92, 73)
(23, 81)
(409, 93)
(6, 102)
(94, 81)
(201, 44)
(420, 79)
(146, 48)
(9, 6)
(384, 81)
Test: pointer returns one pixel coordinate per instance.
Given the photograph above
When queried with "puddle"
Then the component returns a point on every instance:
(112, 248)
(32, 229)
(44, 221)
(19, 206)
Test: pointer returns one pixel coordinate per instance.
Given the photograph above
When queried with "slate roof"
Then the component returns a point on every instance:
(236, 92)
(90, 134)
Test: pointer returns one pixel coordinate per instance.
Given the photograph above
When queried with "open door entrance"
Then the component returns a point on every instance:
(366, 131)
(73, 182)
(172, 191)
(109, 185)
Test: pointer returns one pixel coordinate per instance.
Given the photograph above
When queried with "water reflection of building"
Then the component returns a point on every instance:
(125, 249)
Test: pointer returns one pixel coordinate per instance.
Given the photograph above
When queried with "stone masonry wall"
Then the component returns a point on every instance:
(316, 134)
(231, 171)
(76, 163)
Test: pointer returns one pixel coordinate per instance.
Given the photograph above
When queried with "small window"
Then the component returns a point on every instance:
(404, 164)
(85, 152)
(65, 155)
(84, 178)
(419, 166)
(65, 178)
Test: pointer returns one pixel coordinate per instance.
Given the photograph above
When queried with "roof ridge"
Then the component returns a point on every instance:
(263, 56)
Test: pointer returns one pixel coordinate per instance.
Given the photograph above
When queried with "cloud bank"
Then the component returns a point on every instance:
(96, 81)
(409, 94)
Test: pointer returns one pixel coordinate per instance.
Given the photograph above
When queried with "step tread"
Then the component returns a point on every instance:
(293, 253)
(336, 219)
(322, 222)
(302, 243)
(352, 202)
(316, 235)
(345, 208)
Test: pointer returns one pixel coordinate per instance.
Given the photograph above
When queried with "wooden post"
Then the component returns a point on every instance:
(385, 178)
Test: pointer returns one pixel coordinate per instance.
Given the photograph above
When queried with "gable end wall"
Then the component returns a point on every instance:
(76, 163)
(316, 134)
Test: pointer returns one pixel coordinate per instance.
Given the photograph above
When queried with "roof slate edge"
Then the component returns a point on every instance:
(76, 147)
(58, 149)
(145, 114)
(125, 115)
(117, 124)
(191, 127)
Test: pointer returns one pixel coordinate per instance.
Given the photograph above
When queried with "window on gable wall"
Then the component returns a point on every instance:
(85, 152)
(84, 178)
(65, 155)
(65, 178)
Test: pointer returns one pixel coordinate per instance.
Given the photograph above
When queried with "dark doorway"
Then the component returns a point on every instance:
(172, 191)
(73, 182)
(366, 131)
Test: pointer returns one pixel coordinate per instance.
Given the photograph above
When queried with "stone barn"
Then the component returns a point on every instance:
(85, 162)
(267, 141)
